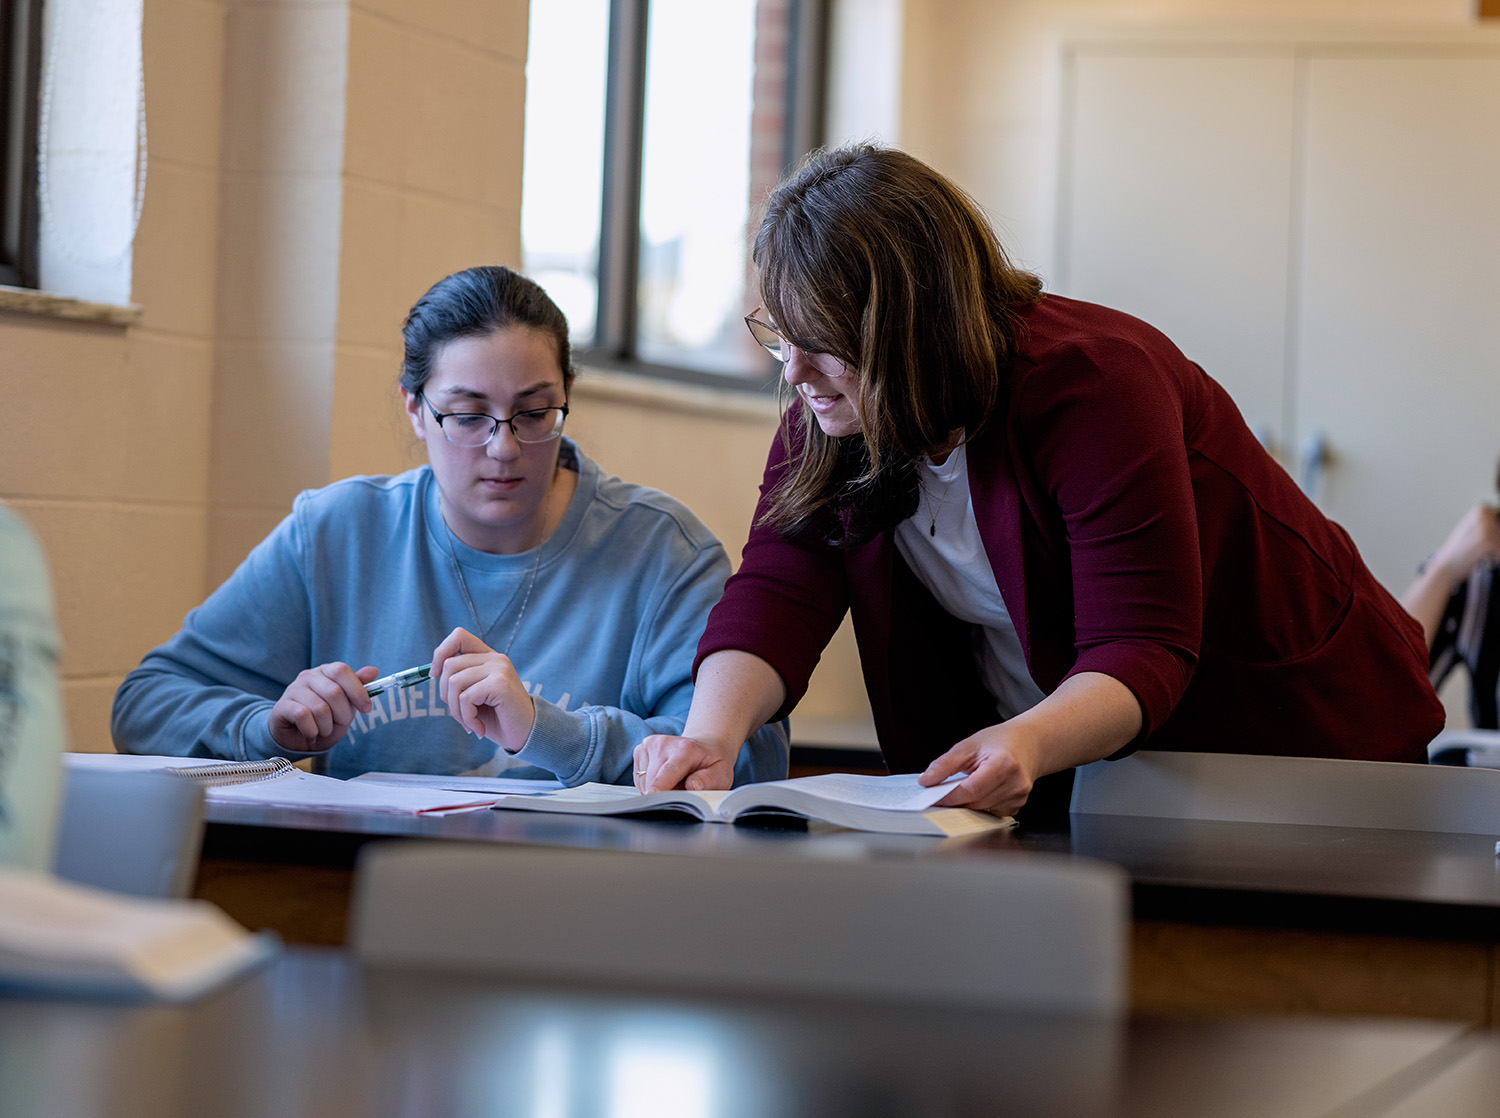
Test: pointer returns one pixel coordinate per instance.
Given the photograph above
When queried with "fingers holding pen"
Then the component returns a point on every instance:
(318, 706)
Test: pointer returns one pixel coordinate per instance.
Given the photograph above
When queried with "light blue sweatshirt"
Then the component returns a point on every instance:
(362, 572)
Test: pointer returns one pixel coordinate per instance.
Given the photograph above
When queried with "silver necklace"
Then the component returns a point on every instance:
(937, 508)
(463, 584)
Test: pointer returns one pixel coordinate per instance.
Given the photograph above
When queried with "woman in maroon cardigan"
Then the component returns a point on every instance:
(1057, 537)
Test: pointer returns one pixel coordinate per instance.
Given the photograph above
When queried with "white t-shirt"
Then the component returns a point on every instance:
(941, 544)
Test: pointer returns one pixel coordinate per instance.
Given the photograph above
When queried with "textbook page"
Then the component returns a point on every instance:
(899, 792)
(499, 785)
(607, 796)
(893, 804)
(301, 789)
(296, 788)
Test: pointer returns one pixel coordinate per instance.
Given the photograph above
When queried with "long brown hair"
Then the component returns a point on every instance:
(870, 255)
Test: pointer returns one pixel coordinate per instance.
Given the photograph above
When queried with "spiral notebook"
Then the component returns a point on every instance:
(233, 772)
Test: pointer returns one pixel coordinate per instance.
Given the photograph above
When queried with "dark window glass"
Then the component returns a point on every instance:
(20, 64)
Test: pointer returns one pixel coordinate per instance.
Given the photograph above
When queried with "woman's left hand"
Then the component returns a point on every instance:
(1000, 767)
(482, 690)
(1089, 716)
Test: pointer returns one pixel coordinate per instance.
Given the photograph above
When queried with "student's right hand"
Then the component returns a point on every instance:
(315, 710)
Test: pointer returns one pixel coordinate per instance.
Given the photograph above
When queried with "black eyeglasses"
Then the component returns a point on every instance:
(467, 428)
(777, 346)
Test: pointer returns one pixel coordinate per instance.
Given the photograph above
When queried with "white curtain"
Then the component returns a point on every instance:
(91, 147)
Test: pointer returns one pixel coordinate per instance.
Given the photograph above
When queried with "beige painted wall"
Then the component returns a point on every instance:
(123, 514)
(315, 165)
(980, 81)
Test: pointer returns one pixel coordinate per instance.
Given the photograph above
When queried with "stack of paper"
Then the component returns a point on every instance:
(291, 787)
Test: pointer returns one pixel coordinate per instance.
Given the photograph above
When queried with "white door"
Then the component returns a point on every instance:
(1317, 223)
(1397, 319)
(1176, 201)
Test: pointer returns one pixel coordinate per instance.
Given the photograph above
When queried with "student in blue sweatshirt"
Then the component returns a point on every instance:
(560, 607)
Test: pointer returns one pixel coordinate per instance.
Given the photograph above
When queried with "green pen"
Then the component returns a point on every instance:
(399, 680)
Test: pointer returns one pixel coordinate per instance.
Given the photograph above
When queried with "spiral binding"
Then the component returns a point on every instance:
(234, 772)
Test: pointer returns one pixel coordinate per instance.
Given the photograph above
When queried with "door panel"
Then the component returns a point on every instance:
(1397, 325)
(1176, 202)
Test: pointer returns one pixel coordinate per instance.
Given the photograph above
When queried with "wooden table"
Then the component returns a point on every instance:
(1229, 917)
(316, 1034)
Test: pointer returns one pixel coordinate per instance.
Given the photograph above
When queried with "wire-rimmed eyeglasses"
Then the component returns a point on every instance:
(468, 428)
(777, 346)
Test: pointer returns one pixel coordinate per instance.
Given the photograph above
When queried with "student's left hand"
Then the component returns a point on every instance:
(482, 690)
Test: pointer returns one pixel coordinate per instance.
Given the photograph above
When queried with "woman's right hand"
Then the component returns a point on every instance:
(734, 695)
(315, 710)
(663, 762)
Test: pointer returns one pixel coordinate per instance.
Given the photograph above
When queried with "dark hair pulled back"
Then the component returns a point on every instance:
(474, 303)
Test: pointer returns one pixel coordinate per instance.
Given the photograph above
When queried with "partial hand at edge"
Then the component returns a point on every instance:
(1475, 539)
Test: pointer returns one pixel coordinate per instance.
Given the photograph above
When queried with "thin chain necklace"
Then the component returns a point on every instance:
(463, 584)
(933, 510)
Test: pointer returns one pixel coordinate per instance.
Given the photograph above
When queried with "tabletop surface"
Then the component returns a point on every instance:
(1396, 881)
(317, 1034)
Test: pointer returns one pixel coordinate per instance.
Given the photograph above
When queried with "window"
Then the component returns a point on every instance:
(20, 63)
(654, 129)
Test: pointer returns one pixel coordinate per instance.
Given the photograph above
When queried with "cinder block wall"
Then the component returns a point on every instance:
(314, 166)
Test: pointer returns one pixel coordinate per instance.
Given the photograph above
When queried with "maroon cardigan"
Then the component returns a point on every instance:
(1135, 528)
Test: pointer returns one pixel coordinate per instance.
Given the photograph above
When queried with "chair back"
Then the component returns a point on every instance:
(1036, 932)
(129, 831)
(1321, 791)
(1477, 748)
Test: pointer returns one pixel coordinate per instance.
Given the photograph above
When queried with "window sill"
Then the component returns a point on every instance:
(690, 399)
(24, 300)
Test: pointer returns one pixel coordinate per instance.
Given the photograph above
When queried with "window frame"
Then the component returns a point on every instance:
(20, 94)
(614, 344)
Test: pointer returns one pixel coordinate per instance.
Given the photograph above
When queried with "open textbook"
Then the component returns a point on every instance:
(497, 786)
(893, 804)
(277, 783)
(60, 938)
